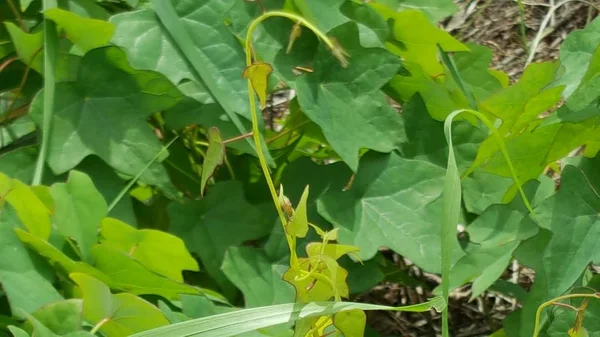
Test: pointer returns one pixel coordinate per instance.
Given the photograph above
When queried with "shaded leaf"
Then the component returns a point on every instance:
(259, 280)
(224, 218)
(435, 10)
(62, 317)
(104, 113)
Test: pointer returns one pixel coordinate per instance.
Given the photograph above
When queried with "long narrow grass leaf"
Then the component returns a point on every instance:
(449, 62)
(246, 320)
(50, 55)
(452, 200)
(139, 174)
(198, 60)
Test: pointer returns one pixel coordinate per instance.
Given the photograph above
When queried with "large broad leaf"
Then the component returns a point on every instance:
(104, 113)
(575, 53)
(340, 99)
(383, 207)
(120, 315)
(259, 280)
(571, 226)
(158, 251)
(234, 323)
(222, 219)
(79, 209)
(23, 283)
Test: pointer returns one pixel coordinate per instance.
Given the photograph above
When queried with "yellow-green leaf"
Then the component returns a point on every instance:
(258, 74)
(350, 323)
(118, 315)
(32, 212)
(86, 33)
(160, 252)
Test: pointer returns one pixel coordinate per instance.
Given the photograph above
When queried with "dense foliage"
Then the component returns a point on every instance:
(139, 187)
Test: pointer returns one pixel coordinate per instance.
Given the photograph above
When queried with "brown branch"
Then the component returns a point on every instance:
(11, 4)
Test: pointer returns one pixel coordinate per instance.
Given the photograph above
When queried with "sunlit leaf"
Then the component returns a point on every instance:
(215, 155)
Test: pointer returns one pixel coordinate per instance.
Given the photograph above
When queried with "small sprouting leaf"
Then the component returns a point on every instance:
(332, 250)
(79, 210)
(298, 224)
(117, 315)
(160, 252)
(215, 155)
(294, 34)
(28, 46)
(258, 74)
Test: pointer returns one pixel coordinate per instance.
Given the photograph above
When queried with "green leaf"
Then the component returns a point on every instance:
(331, 93)
(259, 280)
(367, 214)
(211, 225)
(215, 55)
(32, 212)
(62, 317)
(148, 45)
(117, 315)
(474, 69)
(350, 323)
(231, 324)
(372, 28)
(575, 53)
(482, 189)
(25, 4)
(24, 284)
(158, 251)
(325, 14)
(570, 223)
(438, 99)
(215, 155)
(115, 100)
(79, 210)
(258, 75)
(28, 46)
(127, 274)
(435, 10)
(16, 130)
(415, 39)
(522, 102)
(59, 261)
(85, 33)
(298, 224)
(425, 137)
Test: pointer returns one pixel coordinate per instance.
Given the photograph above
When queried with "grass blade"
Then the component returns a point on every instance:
(246, 320)
(137, 176)
(452, 200)
(172, 23)
(50, 55)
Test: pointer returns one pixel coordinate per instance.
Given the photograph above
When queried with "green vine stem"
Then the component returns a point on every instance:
(538, 314)
(337, 52)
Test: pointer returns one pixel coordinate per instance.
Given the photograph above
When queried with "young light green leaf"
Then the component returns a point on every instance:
(350, 323)
(79, 210)
(234, 323)
(158, 251)
(298, 224)
(215, 155)
(28, 46)
(85, 33)
(116, 315)
(32, 212)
